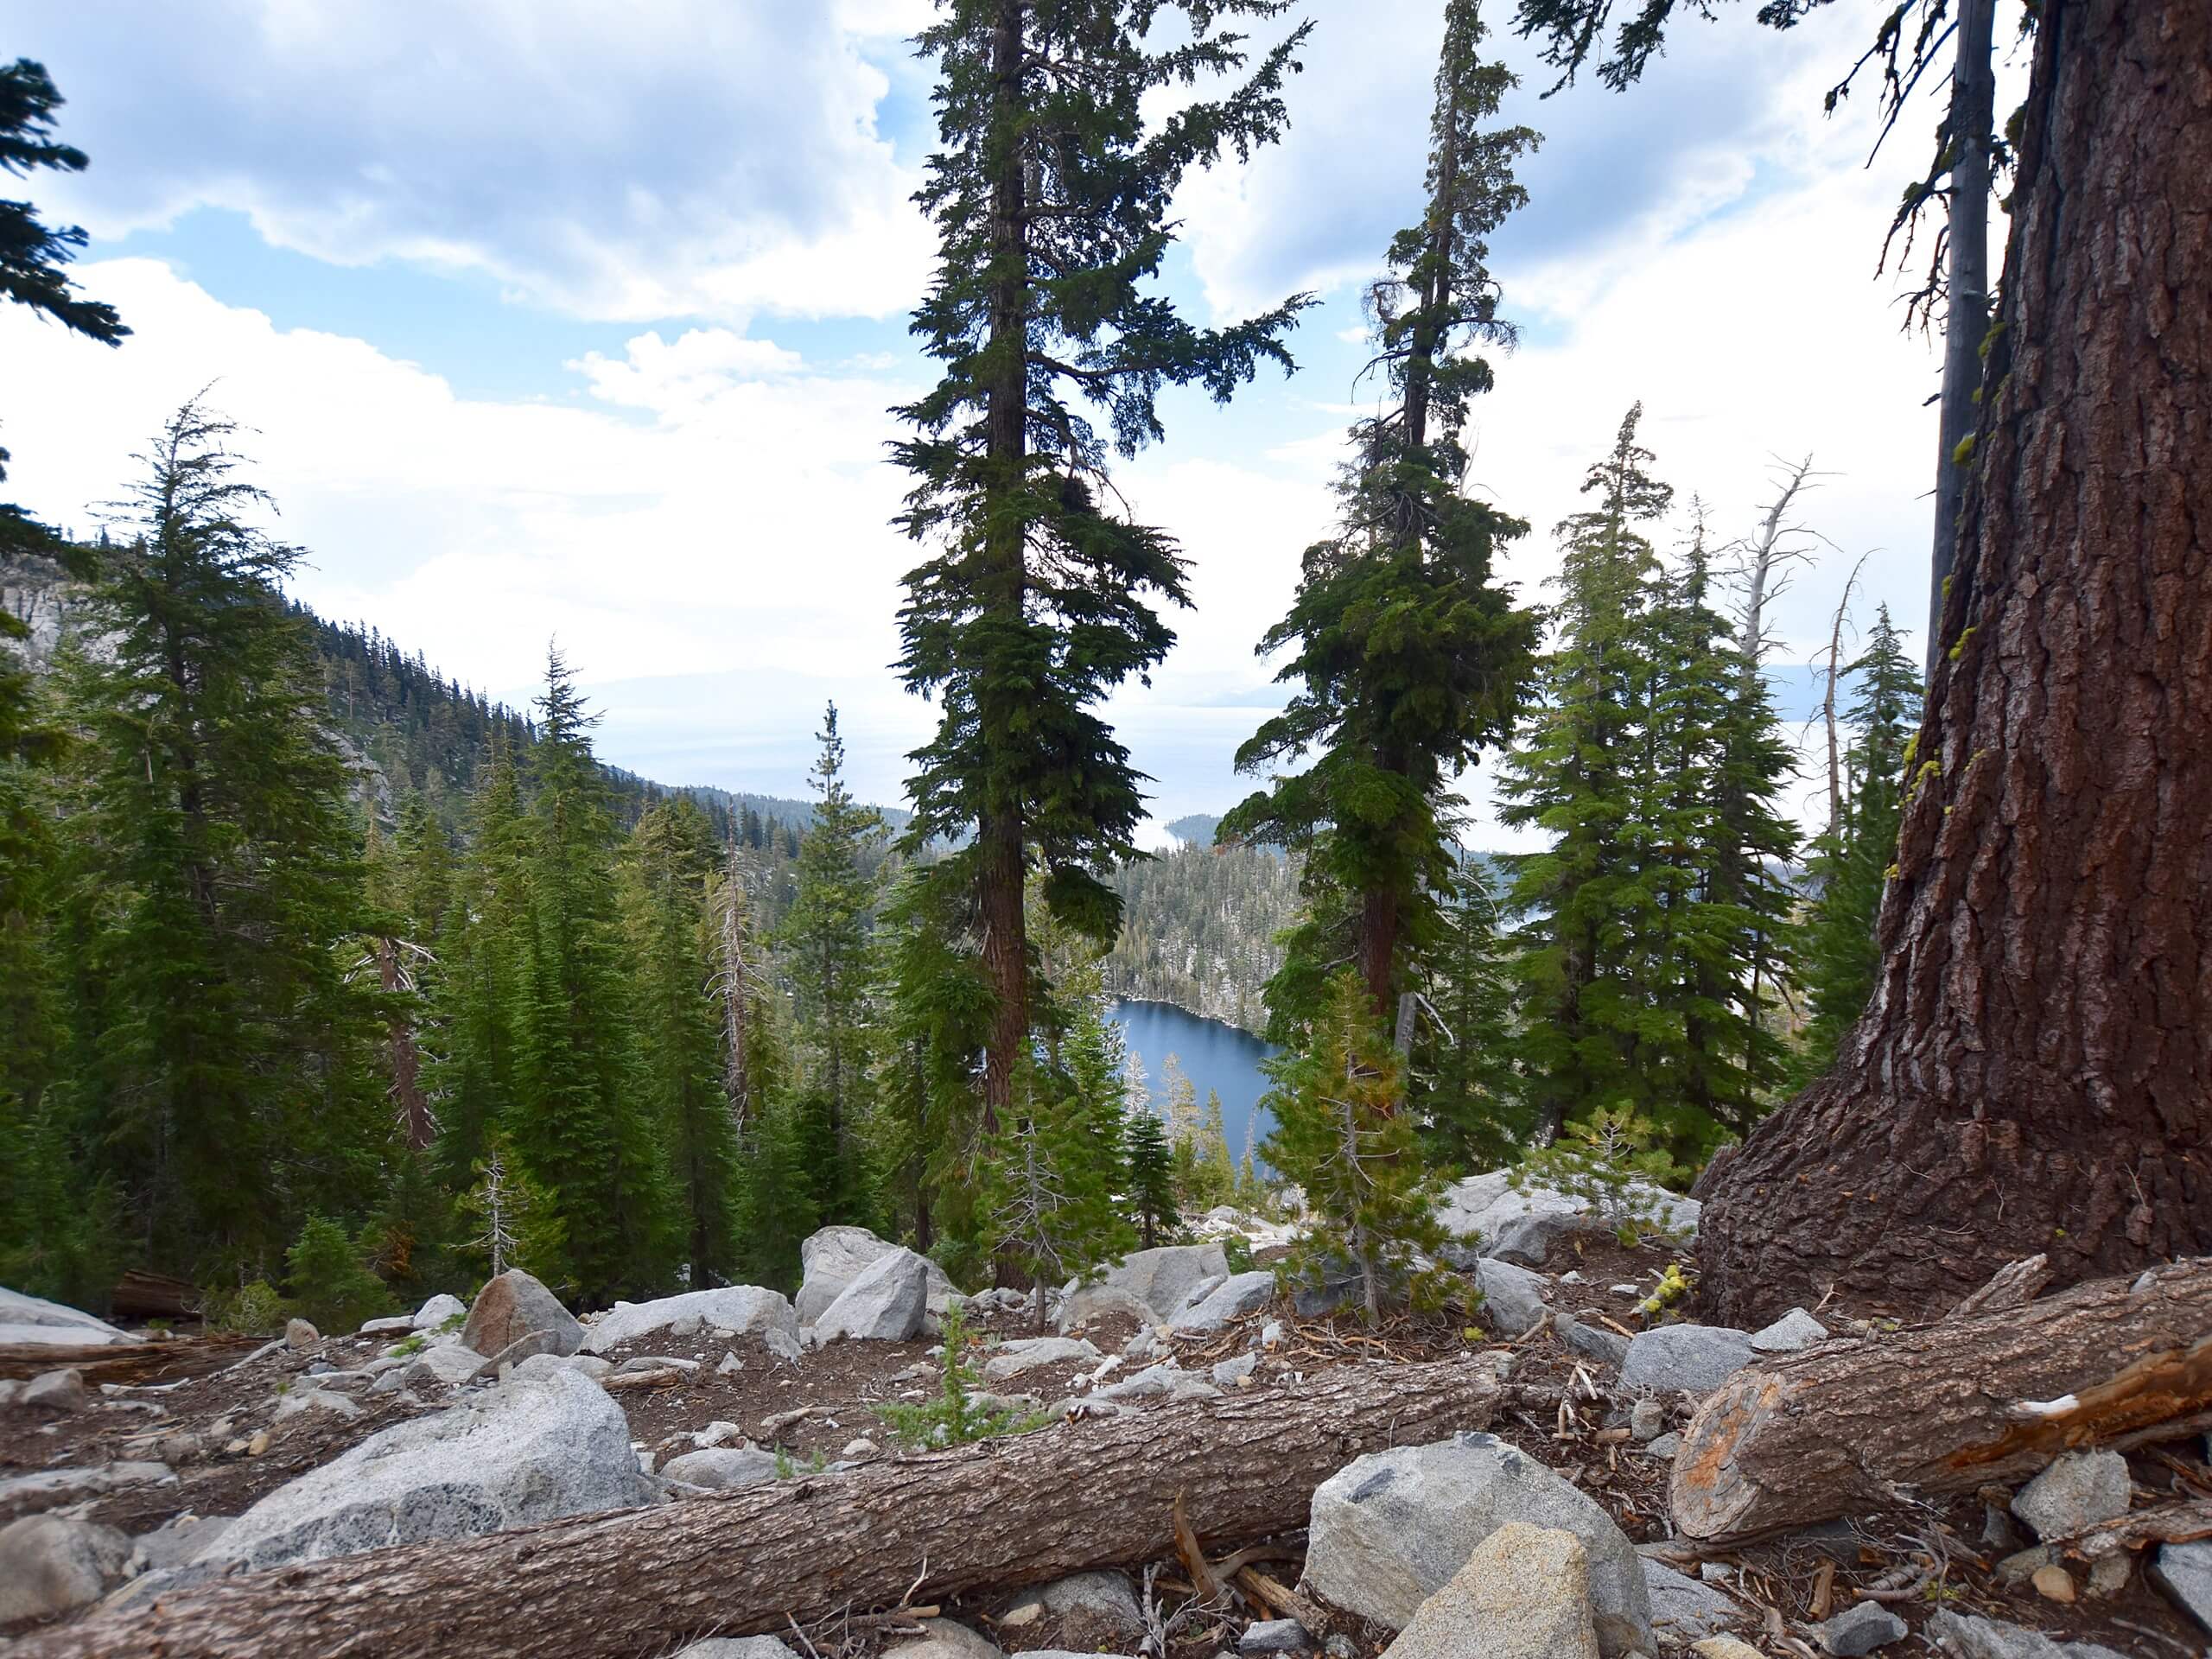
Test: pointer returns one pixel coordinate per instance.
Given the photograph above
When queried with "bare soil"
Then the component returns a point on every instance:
(1569, 1420)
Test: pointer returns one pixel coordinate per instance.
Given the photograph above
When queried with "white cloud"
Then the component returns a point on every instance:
(741, 532)
(653, 159)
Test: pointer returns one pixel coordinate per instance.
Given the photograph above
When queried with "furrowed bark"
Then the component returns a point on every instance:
(2034, 1071)
(1984, 1397)
(645, 1581)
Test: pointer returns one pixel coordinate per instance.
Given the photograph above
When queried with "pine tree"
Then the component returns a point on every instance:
(229, 1084)
(826, 939)
(1409, 657)
(519, 1226)
(1343, 1134)
(667, 868)
(1051, 1186)
(1052, 193)
(1574, 776)
(1837, 950)
(1471, 1106)
(1151, 1203)
(1710, 843)
(580, 1132)
(477, 991)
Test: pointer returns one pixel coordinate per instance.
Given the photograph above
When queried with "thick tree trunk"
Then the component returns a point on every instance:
(2034, 1072)
(1988, 1397)
(645, 1581)
(1973, 95)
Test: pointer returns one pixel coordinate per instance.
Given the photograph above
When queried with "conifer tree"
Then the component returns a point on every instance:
(1710, 843)
(1343, 1134)
(931, 1135)
(667, 868)
(478, 991)
(1573, 775)
(1151, 1203)
(517, 1225)
(1052, 1178)
(580, 1132)
(1409, 656)
(1471, 1107)
(1052, 193)
(1838, 951)
(826, 937)
(229, 1084)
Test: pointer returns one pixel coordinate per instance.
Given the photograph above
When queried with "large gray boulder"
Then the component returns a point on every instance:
(33, 1319)
(886, 1302)
(736, 1647)
(1523, 1594)
(1235, 1297)
(832, 1258)
(1090, 1302)
(1390, 1529)
(532, 1449)
(436, 1311)
(1697, 1357)
(49, 1566)
(1163, 1278)
(514, 1306)
(1488, 1215)
(735, 1309)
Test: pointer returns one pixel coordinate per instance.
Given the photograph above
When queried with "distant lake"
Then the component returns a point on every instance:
(1213, 1055)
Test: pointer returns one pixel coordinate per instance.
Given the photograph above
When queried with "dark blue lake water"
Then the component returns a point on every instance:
(1213, 1055)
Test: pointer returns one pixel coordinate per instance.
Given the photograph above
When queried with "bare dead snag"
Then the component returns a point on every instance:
(999, 1513)
(1949, 1407)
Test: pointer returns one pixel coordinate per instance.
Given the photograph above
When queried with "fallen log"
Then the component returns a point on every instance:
(1947, 1408)
(123, 1362)
(997, 1514)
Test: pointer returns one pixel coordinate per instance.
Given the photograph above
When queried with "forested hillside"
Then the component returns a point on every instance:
(1200, 928)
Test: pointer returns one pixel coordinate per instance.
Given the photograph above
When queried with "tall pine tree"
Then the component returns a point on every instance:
(1574, 776)
(226, 1057)
(580, 1131)
(827, 940)
(1409, 656)
(666, 870)
(1052, 193)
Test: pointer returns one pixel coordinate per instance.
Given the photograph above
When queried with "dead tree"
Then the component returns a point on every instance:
(897, 1531)
(1987, 1396)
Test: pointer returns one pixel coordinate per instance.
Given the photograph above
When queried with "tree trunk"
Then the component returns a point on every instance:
(1000, 841)
(992, 1515)
(2034, 1071)
(1950, 1407)
(1974, 94)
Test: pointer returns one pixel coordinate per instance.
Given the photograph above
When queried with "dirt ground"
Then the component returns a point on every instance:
(813, 1409)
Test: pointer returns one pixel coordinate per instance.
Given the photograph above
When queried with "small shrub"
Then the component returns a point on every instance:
(331, 1282)
(252, 1310)
(953, 1418)
(1238, 1249)
(1607, 1161)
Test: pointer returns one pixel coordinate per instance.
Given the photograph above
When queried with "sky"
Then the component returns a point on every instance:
(557, 321)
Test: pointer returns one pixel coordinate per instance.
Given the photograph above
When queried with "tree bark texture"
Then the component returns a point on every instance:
(2034, 1070)
(1948, 1408)
(1001, 1513)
